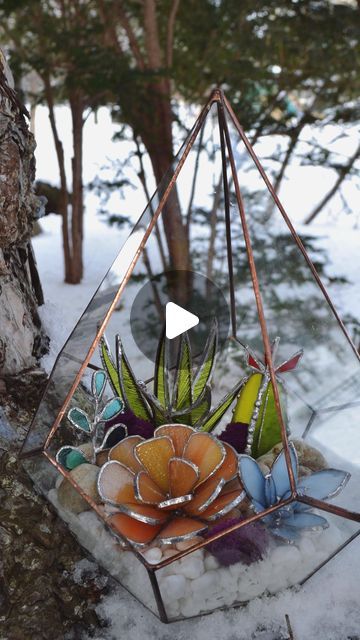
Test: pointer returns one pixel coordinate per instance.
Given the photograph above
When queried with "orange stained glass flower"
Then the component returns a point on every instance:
(171, 486)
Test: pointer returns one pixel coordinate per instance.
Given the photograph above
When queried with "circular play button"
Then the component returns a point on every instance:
(178, 301)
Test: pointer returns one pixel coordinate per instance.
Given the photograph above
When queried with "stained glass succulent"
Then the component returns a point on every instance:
(266, 491)
(171, 486)
(102, 440)
(255, 415)
(182, 396)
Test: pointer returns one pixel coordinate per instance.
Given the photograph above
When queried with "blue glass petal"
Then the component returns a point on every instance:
(258, 508)
(111, 409)
(284, 532)
(279, 471)
(79, 419)
(323, 484)
(270, 491)
(300, 507)
(252, 479)
(308, 521)
(98, 383)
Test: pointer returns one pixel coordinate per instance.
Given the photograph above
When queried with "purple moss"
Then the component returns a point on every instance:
(135, 426)
(246, 544)
(235, 433)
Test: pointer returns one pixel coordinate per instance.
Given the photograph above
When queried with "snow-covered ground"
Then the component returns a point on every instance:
(326, 608)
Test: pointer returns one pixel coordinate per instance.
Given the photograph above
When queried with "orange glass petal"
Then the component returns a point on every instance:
(133, 530)
(147, 490)
(229, 467)
(154, 455)
(204, 495)
(206, 452)
(181, 529)
(124, 452)
(183, 476)
(116, 483)
(179, 434)
(144, 513)
(222, 505)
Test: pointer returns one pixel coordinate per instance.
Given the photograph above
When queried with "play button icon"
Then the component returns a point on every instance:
(178, 301)
(178, 320)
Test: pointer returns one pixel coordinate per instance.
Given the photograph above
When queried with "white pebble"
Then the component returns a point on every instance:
(153, 555)
(172, 588)
(191, 567)
(206, 585)
(211, 563)
(192, 607)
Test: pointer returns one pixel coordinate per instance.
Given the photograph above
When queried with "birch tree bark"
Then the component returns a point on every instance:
(22, 339)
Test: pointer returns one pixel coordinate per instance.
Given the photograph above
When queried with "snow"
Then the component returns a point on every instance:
(326, 607)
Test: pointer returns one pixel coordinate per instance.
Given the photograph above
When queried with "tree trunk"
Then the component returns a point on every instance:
(156, 133)
(77, 205)
(22, 339)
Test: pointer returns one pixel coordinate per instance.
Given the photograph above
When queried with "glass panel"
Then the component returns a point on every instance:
(323, 389)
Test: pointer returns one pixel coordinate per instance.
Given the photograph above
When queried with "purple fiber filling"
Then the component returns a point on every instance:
(135, 426)
(235, 433)
(246, 544)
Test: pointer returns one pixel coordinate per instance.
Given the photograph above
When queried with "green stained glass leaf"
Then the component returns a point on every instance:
(268, 429)
(245, 405)
(110, 367)
(161, 377)
(203, 375)
(98, 383)
(70, 457)
(160, 416)
(80, 419)
(130, 389)
(216, 414)
(182, 398)
(201, 407)
(111, 409)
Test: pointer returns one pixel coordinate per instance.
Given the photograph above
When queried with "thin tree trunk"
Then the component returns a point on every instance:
(343, 172)
(64, 200)
(77, 213)
(22, 339)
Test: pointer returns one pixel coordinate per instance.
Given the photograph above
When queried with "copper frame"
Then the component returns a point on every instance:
(223, 107)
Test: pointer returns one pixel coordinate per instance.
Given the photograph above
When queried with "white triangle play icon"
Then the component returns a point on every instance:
(178, 320)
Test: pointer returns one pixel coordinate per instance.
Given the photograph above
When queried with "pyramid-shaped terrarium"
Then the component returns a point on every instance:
(207, 469)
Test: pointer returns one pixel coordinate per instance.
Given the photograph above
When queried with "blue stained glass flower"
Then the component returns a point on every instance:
(267, 491)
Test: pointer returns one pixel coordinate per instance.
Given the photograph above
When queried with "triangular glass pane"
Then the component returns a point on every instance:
(322, 384)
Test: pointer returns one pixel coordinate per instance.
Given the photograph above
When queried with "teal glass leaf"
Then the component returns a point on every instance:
(70, 457)
(111, 409)
(79, 419)
(98, 383)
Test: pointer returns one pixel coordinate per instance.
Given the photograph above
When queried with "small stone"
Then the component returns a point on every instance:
(192, 567)
(153, 555)
(87, 450)
(304, 471)
(192, 607)
(206, 585)
(186, 544)
(211, 563)
(310, 458)
(86, 477)
(168, 553)
(172, 588)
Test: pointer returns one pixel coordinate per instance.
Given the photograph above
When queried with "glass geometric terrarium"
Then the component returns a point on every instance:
(204, 470)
